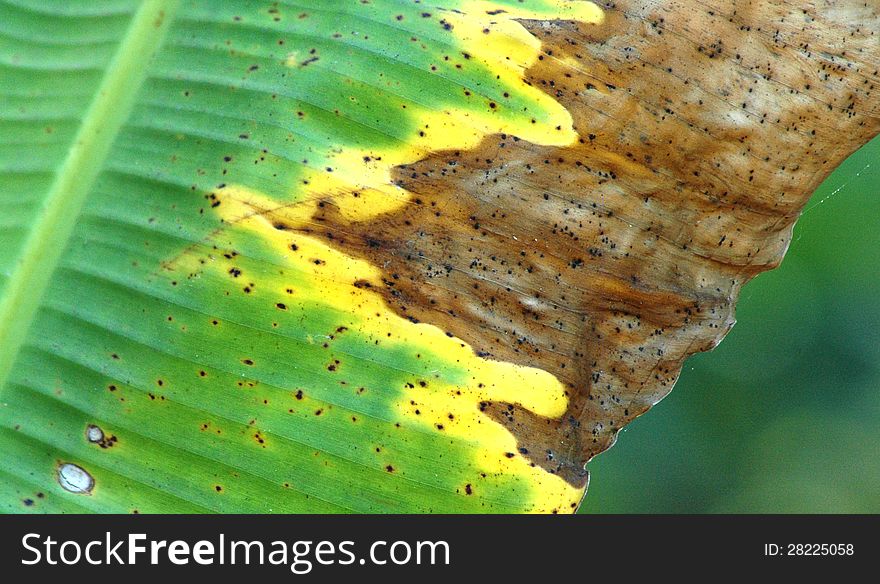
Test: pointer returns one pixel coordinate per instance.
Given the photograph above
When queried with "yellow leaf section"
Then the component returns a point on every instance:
(451, 401)
(360, 186)
(360, 183)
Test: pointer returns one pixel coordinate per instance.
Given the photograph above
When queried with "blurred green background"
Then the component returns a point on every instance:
(784, 416)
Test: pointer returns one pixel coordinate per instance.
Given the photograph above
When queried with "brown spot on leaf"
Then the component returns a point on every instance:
(609, 261)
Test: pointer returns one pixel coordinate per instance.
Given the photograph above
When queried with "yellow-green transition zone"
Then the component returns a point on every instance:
(233, 363)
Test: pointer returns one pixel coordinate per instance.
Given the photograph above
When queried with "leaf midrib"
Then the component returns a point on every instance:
(57, 216)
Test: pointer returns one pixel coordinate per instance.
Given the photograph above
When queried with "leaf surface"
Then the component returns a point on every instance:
(385, 256)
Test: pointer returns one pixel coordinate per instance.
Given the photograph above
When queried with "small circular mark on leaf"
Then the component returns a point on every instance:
(94, 434)
(75, 479)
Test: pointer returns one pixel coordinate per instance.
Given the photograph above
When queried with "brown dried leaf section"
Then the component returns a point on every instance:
(704, 128)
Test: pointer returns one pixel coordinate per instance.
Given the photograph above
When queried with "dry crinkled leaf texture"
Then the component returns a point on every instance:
(703, 129)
